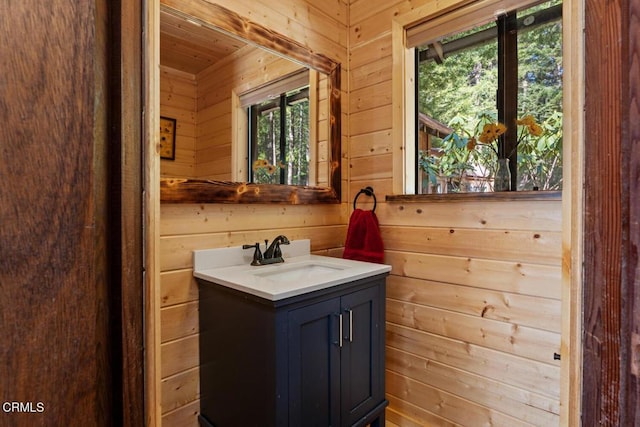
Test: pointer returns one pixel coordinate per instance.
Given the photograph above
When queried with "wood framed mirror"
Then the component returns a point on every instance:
(192, 190)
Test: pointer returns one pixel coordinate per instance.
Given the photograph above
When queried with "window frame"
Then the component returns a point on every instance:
(241, 168)
(281, 102)
(505, 32)
(409, 30)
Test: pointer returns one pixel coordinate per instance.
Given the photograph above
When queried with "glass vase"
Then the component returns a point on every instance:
(502, 180)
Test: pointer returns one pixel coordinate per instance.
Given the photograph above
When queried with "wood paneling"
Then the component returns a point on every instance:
(516, 277)
(502, 335)
(536, 312)
(505, 245)
(540, 216)
(303, 21)
(220, 218)
(446, 405)
(180, 390)
(184, 416)
(572, 213)
(177, 250)
(191, 47)
(402, 413)
(151, 231)
(525, 374)
(179, 356)
(178, 101)
(179, 320)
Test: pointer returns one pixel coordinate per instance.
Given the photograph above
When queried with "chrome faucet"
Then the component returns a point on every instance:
(272, 254)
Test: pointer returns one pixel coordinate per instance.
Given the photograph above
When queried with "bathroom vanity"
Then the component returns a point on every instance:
(300, 343)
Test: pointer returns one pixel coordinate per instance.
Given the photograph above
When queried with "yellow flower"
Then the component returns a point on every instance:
(491, 132)
(532, 126)
(527, 120)
(471, 144)
(271, 169)
(259, 164)
(488, 133)
(536, 130)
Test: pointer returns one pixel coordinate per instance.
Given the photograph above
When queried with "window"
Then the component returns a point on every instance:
(279, 143)
(488, 93)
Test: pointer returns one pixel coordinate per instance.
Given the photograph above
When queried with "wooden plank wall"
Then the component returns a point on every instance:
(322, 26)
(178, 101)
(473, 305)
(473, 312)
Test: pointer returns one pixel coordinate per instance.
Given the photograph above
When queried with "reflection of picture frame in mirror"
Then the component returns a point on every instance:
(167, 138)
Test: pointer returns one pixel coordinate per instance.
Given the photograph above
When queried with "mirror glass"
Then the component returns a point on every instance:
(214, 66)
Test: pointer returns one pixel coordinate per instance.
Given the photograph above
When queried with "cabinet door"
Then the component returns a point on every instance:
(361, 368)
(314, 365)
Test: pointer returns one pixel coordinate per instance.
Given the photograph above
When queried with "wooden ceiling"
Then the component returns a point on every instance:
(188, 46)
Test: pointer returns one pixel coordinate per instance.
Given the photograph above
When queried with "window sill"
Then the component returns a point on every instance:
(505, 196)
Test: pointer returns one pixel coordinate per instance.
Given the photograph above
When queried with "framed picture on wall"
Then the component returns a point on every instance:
(167, 138)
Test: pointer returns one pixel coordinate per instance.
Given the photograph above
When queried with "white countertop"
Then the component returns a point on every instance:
(301, 272)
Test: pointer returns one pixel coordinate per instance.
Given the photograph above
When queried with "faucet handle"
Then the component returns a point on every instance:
(257, 254)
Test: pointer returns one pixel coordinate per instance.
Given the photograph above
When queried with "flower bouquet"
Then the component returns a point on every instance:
(462, 153)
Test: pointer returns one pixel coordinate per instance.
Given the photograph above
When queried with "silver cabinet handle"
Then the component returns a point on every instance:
(350, 325)
(340, 329)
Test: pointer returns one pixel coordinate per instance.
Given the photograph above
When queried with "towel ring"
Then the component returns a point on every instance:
(369, 192)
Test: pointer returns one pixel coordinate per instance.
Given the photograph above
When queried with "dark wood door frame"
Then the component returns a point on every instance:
(127, 182)
(71, 258)
(611, 322)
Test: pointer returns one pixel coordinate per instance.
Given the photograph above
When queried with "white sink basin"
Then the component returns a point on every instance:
(300, 273)
(304, 270)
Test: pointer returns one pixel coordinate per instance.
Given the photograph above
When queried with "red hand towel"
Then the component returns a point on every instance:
(364, 242)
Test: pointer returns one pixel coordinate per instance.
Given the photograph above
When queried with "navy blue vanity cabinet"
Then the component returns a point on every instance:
(336, 360)
(312, 360)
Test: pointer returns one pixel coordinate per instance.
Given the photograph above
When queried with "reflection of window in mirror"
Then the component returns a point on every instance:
(281, 142)
(279, 148)
(486, 93)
